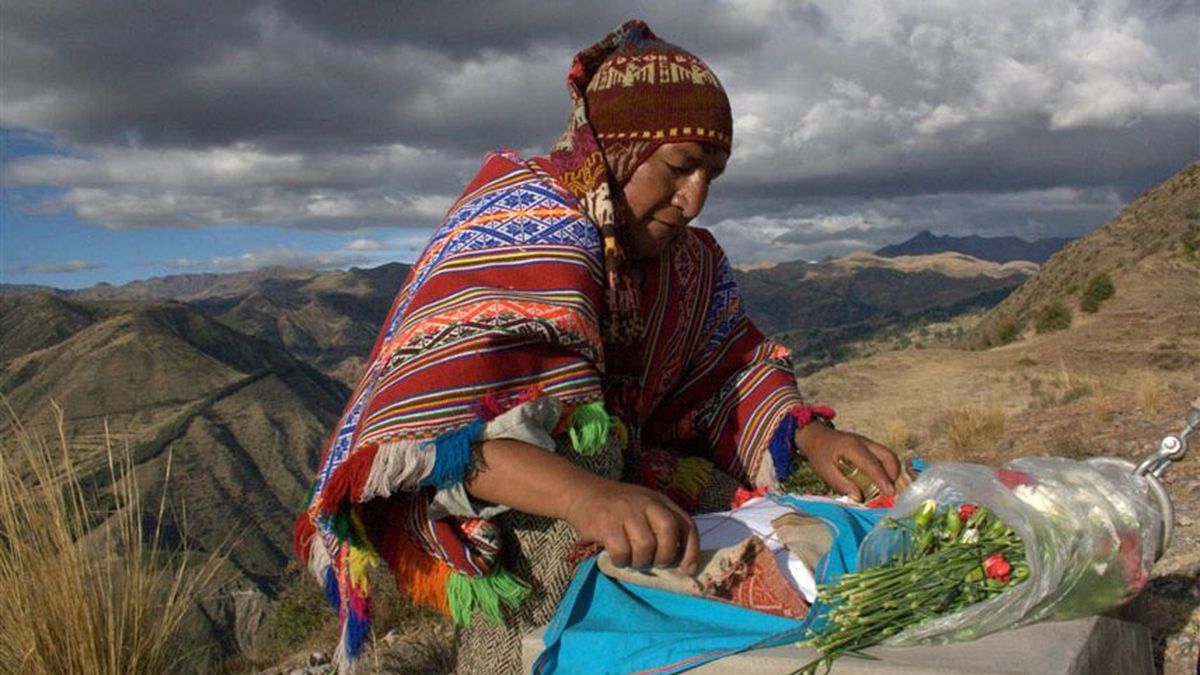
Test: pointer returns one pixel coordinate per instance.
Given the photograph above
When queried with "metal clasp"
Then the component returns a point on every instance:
(1171, 448)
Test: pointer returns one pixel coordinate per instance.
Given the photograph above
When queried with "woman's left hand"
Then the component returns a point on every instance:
(823, 447)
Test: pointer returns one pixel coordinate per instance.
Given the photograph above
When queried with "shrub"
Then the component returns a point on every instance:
(1053, 316)
(1099, 288)
(299, 611)
(1008, 333)
(87, 590)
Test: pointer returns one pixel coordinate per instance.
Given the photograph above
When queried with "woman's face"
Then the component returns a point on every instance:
(665, 193)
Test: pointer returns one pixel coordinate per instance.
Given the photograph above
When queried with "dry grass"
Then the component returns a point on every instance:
(972, 428)
(86, 588)
(1101, 411)
(1148, 393)
(897, 436)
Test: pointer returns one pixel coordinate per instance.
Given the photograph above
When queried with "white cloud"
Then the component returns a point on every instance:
(65, 267)
(851, 115)
(273, 256)
(122, 187)
(364, 245)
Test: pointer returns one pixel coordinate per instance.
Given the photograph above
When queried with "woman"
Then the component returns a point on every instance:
(568, 363)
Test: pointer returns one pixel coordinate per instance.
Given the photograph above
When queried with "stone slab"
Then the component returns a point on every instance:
(1089, 646)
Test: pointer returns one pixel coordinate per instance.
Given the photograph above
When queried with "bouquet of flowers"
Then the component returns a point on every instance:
(969, 550)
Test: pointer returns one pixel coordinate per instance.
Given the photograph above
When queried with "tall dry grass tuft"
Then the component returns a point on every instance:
(1147, 394)
(897, 436)
(973, 428)
(87, 589)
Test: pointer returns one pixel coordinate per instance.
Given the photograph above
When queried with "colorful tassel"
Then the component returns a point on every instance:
(358, 627)
(590, 424)
(691, 477)
(485, 594)
(343, 529)
(453, 457)
(347, 481)
(332, 596)
(621, 431)
(303, 533)
(361, 561)
(418, 574)
(783, 446)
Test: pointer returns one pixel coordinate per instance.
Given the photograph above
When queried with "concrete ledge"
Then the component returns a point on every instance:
(1090, 646)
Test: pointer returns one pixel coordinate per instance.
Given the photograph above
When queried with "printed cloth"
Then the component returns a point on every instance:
(605, 626)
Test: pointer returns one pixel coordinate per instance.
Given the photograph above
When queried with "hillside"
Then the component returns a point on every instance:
(1154, 234)
(818, 308)
(242, 422)
(994, 249)
(329, 320)
(37, 321)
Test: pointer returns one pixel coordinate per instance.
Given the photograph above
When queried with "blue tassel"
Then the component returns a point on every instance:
(783, 446)
(453, 456)
(357, 629)
(332, 596)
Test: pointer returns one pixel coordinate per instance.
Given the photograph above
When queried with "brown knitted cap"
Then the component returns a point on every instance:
(648, 92)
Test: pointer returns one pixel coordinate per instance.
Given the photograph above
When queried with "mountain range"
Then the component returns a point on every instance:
(995, 249)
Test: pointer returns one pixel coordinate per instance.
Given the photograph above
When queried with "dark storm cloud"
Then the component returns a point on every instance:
(850, 115)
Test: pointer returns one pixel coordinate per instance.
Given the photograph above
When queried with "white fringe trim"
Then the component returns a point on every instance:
(342, 662)
(399, 466)
(318, 558)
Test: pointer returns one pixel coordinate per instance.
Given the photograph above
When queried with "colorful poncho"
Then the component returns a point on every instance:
(503, 310)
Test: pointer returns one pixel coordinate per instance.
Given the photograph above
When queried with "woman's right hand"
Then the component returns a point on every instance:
(635, 525)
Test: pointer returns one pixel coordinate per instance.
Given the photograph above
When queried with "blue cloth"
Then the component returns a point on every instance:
(604, 626)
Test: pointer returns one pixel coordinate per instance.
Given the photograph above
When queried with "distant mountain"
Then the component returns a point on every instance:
(1143, 246)
(817, 308)
(189, 287)
(995, 249)
(327, 319)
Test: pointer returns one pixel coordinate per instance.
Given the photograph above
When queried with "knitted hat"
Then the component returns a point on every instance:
(647, 92)
(630, 92)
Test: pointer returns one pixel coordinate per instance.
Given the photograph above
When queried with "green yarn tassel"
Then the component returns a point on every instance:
(343, 528)
(590, 424)
(487, 593)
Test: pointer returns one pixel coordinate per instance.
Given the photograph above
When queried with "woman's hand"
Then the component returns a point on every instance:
(823, 447)
(635, 525)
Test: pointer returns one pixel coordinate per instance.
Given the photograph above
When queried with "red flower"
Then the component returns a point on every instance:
(1131, 561)
(1012, 479)
(996, 567)
(881, 502)
(966, 511)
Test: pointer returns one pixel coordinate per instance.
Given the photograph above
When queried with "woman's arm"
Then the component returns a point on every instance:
(636, 525)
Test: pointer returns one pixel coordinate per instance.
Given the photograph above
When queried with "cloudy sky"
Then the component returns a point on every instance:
(141, 139)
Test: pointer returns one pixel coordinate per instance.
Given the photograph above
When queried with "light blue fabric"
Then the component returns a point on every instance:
(603, 626)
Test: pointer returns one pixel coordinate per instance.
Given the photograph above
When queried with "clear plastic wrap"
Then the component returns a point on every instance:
(1091, 531)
